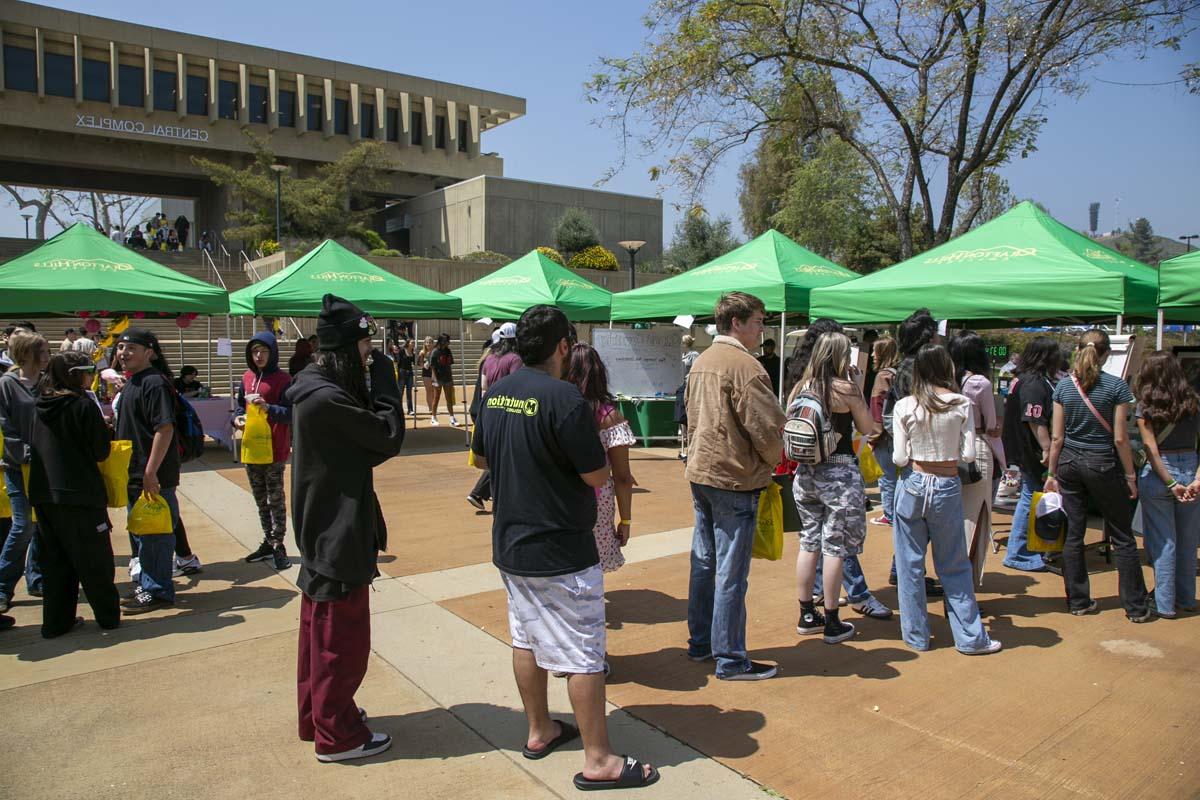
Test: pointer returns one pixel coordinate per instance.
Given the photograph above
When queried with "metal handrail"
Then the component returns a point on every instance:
(225, 257)
(257, 278)
(212, 265)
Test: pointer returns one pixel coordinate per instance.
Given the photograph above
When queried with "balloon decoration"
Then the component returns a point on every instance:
(92, 326)
(183, 321)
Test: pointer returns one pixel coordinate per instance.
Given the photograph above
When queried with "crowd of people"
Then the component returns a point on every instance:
(160, 234)
(553, 455)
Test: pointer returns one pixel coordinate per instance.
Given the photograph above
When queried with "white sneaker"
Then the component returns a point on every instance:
(993, 646)
(378, 743)
(135, 569)
(454, 421)
(186, 566)
(433, 421)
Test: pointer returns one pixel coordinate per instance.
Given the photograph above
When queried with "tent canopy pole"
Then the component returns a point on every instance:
(462, 355)
(782, 341)
(1158, 335)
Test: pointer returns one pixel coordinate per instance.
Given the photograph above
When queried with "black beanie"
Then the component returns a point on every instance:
(143, 336)
(340, 323)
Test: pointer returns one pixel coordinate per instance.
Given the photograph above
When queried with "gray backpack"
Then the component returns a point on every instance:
(808, 436)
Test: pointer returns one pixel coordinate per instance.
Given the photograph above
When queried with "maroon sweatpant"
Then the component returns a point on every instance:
(335, 642)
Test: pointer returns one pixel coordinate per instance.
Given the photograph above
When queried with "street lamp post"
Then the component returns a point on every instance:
(27, 218)
(632, 247)
(278, 169)
(1187, 239)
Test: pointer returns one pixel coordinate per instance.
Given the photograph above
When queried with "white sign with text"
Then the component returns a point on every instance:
(642, 363)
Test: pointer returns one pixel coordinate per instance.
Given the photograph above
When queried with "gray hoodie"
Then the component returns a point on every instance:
(18, 406)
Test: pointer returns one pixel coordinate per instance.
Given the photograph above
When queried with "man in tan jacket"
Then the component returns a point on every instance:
(735, 441)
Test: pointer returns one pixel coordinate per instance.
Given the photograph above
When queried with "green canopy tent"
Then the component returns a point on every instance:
(531, 280)
(330, 268)
(1179, 290)
(81, 269)
(1022, 266)
(297, 291)
(771, 267)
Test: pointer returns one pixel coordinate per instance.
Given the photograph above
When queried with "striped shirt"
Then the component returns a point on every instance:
(1083, 430)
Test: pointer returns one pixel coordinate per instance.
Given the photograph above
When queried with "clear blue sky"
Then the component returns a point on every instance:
(1136, 143)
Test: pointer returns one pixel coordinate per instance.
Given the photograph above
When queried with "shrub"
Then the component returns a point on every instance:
(575, 231)
(552, 254)
(269, 247)
(484, 257)
(368, 237)
(386, 252)
(595, 257)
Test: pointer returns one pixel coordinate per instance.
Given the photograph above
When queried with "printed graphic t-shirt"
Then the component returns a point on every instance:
(538, 436)
(1029, 401)
(146, 403)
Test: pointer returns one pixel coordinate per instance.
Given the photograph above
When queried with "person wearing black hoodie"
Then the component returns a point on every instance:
(346, 420)
(69, 436)
(265, 385)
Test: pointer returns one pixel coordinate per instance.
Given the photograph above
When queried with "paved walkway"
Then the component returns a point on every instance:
(198, 701)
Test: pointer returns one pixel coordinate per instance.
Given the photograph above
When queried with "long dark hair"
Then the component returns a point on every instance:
(1042, 355)
(1163, 390)
(969, 353)
(915, 332)
(589, 375)
(345, 367)
(802, 353)
(933, 369)
(58, 379)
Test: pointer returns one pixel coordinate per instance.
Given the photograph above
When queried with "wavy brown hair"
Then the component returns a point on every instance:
(1094, 347)
(1163, 390)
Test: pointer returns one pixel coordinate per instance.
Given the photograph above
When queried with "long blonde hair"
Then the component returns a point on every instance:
(830, 361)
(1094, 347)
(887, 354)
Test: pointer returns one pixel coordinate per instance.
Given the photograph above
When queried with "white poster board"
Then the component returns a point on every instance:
(643, 363)
(1124, 356)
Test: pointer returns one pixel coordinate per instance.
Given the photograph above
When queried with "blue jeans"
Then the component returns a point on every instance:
(853, 580)
(721, 545)
(1017, 554)
(20, 551)
(1172, 531)
(156, 553)
(887, 481)
(929, 511)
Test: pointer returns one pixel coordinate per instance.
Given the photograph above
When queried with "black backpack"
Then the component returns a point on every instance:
(189, 432)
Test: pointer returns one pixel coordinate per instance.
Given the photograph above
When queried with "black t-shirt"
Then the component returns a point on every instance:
(404, 360)
(146, 403)
(771, 365)
(538, 435)
(442, 362)
(1030, 399)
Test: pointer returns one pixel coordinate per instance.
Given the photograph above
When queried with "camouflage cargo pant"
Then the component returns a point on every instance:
(266, 484)
(831, 502)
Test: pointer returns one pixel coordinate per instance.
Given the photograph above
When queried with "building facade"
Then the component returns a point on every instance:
(91, 103)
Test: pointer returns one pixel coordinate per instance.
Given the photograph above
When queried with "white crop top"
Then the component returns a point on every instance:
(921, 436)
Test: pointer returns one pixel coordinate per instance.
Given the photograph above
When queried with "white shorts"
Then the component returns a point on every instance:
(561, 619)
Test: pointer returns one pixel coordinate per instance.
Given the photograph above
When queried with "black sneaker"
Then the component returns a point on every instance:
(142, 601)
(264, 551)
(933, 588)
(811, 621)
(279, 558)
(378, 743)
(756, 672)
(1090, 608)
(476, 501)
(837, 631)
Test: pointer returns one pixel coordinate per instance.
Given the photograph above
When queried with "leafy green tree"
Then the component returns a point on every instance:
(316, 207)
(1144, 244)
(928, 94)
(698, 240)
(575, 232)
(827, 200)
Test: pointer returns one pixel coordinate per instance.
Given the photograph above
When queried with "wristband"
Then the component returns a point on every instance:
(626, 522)
(1130, 476)
(1049, 475)
(1172, 484)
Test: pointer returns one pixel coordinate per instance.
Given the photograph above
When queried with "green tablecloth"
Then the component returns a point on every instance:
(650, 417)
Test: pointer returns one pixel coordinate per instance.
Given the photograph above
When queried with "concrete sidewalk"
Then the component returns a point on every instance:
(198, 701)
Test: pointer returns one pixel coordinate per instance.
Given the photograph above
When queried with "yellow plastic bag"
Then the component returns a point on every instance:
(868, 465)
(150, 515)
(115, 472)
(470, 457)
(768, 532)
(257, 447)
(5, 503)
(1036, 543)
(25, 477)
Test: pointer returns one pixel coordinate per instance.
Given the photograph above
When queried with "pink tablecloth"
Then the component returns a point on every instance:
(215, 417)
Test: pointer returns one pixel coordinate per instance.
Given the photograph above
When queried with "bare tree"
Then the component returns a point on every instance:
(102, 210)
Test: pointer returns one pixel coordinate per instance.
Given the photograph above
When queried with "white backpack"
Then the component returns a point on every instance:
(808, 436)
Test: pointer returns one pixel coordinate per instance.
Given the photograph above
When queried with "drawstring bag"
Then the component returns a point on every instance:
(768, 532)
(114, 470)
(150, 515)
(257, 447)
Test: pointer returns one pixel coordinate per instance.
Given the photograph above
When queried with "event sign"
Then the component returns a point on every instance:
(643, 363)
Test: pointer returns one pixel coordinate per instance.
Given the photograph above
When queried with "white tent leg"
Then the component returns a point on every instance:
(783, 340)
(1120, 321)
(181, 355)
(1158, 335)
(232, 389)
(462, 356)
(209, 351)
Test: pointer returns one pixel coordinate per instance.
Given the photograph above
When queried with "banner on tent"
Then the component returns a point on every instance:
(643, 363)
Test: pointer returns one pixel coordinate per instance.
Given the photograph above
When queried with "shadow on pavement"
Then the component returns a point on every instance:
(642, 607)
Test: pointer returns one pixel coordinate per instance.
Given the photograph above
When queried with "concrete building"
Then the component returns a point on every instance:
(514, 216)
(97, 104)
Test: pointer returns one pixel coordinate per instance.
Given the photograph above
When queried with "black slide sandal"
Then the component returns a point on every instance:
(631, 778)
(568, 733)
